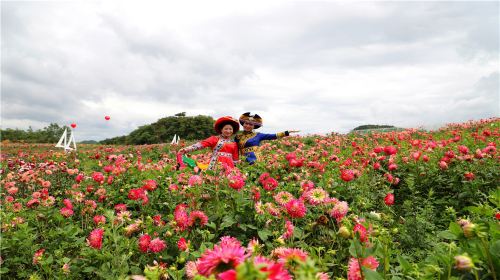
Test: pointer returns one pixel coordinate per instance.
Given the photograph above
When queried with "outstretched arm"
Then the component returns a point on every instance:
(286, 133)
(194, 147)
(209, 142)
(264, 136)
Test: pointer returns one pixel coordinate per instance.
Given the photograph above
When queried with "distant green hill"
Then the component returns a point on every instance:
(88, 142)
(367, 128)
(372, 126)
(163, 130)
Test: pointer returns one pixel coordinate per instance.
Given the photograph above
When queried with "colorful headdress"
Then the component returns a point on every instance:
(221, 122)
(256, 120)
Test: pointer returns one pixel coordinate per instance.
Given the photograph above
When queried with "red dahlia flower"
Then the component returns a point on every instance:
(354, 272)
(221, 258)
(95, 238)
(389, 199)
(144, 241)
(296, 208)
(346, 175)
(157, 245)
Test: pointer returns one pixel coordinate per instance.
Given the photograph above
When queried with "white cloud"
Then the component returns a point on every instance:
(314, 66)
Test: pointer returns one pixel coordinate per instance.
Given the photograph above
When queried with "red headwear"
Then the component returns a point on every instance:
(221, 122)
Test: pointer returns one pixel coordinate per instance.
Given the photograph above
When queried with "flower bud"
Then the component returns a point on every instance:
(280, 240)
(443, 165)
(66, 268)
(463, 263)
(469, 230)
(344, 232)
(374, 215)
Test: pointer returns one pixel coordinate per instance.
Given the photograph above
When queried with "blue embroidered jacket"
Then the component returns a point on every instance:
(249, 142)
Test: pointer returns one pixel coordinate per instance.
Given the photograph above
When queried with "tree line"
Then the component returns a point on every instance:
(371, 126)
(162, 131)
(49, 134)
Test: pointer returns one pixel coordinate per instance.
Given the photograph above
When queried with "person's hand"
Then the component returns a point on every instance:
(293, 131)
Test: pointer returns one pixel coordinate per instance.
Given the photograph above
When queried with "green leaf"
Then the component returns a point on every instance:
(356, 248)
(211, 225)
(89, 269)
(49, 260)
(495, 249)
(446, 234)
(227, 221)
(352, 249)
(371, 250)
(472, 209)
(404, 263)
(455, 228)
(371, 274)
(4, 270)
(263, 234)
(251, 226)
(299, 233)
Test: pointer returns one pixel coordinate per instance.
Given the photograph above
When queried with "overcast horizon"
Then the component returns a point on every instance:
(318, 67)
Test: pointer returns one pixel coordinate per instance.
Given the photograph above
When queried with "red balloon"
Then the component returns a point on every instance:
(73, 125)
(107, 118)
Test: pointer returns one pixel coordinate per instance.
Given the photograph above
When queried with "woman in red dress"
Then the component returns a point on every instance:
(224, 149)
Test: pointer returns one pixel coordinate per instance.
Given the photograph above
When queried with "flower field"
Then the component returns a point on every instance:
(384, 205)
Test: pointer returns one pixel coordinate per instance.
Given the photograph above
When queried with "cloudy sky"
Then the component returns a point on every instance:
(317, 66)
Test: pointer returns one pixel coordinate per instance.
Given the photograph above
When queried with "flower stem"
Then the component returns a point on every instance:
(449, 267)
(475, 274)
(490, 262)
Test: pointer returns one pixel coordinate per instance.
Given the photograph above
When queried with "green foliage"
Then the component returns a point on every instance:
(417, 237)
(162, 131)
(49, 134)
(372, 126)
(88, 142)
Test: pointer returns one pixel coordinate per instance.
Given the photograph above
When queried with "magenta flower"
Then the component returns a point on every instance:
(156, 245)
(289, 228)
(354, 269)
(283, 198)
(66, 212)
(99, 219)
(95, 238)
(289, 256)
(182, 245)
(197, 217)
(270, 184)
(144, 241)
(195, 180)
(222, 258)
(346, 175)
(236, 182)
(296, 208)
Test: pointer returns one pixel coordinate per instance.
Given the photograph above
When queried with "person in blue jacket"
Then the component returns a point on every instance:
(249, 141)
